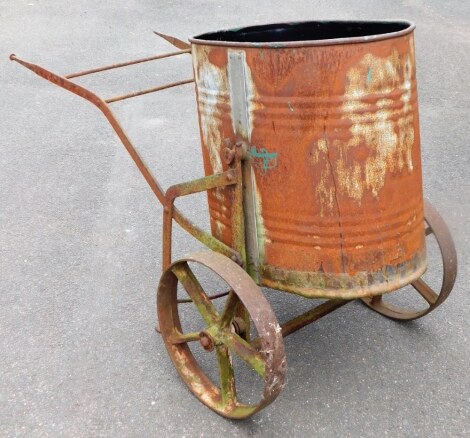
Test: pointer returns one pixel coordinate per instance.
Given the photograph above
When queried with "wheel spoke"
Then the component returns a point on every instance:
(425, 291)
(211, 297)
(196, 292)
(244, 350)
(227, 376)
(181, 338)
(229, 310)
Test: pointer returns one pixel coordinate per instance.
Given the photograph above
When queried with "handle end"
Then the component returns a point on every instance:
(173, 41)
(12, 57)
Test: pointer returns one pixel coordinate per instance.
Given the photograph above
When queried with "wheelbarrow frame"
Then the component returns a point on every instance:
(243, 296)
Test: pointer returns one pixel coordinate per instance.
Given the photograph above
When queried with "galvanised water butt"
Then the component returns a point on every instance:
(329, 111)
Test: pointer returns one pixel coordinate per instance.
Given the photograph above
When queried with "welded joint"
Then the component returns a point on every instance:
(227, 178)
(200, 185)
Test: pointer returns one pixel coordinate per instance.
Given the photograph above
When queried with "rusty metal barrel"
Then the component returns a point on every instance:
(332, 187)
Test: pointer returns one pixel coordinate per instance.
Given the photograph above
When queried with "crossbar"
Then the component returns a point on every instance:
(124, 64)
(148, 90)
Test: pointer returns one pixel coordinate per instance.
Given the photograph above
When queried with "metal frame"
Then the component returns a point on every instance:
(230, 330)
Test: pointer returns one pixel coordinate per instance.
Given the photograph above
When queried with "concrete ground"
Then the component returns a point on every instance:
(80, 235)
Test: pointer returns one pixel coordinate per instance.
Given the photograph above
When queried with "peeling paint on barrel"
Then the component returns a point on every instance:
(213, 105)
(210, 82)
(379, 108)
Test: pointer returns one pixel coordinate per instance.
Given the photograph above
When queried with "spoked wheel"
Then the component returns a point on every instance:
(435, 226)
(218, 333)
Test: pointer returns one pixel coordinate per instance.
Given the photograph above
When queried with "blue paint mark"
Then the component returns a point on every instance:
(369, 76)
(262, 159)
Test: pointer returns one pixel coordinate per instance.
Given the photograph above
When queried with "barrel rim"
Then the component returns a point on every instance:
(308, 43)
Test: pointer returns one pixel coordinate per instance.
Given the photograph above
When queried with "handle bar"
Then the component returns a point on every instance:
(102, 105)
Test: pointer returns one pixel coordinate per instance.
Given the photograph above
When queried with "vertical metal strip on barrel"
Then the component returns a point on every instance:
(237, 77)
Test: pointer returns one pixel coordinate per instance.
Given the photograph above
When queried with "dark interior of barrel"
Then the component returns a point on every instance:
(305, 31)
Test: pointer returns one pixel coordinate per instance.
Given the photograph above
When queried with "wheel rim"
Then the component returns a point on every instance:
(268, 361)
(436, 226)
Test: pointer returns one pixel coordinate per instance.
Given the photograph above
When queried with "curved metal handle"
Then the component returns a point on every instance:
(102, 105)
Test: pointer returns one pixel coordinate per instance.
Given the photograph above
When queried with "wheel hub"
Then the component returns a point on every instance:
(206, 341)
